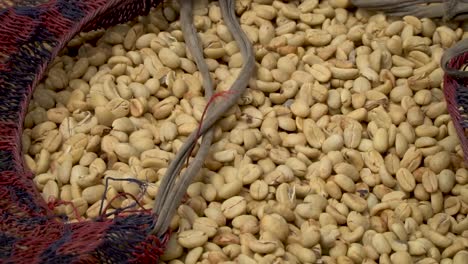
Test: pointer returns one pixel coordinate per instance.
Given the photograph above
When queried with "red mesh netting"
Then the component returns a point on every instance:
(456, 95)
(31, 35)
(455, 90)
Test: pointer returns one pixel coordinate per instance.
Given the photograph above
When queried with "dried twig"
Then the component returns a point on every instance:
(448, 10)
(170, 193)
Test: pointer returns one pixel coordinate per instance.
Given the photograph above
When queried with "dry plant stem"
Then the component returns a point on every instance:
(382, 5)
(447, 9)
(418, 11)
(164, 203)
(164, 207)
(194, 45)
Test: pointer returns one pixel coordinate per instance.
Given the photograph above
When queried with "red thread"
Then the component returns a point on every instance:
(53, 202)
(210, 101)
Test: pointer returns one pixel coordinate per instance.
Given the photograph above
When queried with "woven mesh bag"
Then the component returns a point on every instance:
(31, 35)
(456, 91)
